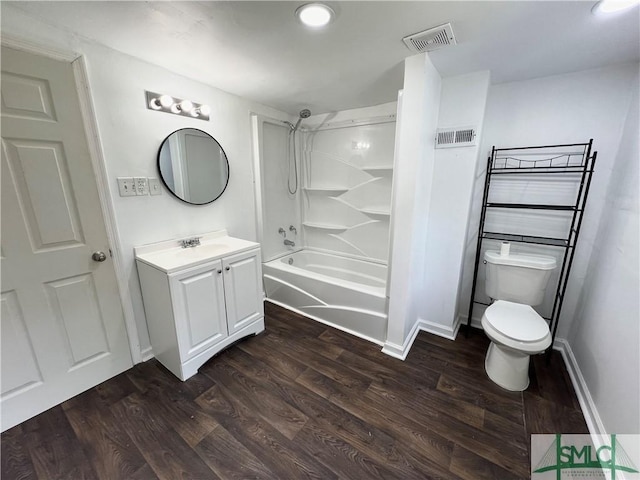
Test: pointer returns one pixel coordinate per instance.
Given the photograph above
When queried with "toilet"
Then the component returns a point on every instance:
(516, 330)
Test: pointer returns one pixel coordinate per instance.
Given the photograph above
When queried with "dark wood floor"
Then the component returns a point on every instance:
(301, 400)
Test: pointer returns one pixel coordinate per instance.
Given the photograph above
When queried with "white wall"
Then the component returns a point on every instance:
(131, 135)
(605, 333)
(412, 180)
(553, 110)
(462, 103)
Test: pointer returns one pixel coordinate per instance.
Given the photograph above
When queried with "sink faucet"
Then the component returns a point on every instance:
(190, 242)
(289, 243)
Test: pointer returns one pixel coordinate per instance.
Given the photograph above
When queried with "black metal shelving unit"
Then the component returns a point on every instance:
(521, 163)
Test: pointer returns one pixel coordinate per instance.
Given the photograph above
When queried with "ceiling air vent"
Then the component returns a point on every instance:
(431, 39)
(455, 137)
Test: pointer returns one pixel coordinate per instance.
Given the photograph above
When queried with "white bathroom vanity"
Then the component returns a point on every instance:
(200, 298)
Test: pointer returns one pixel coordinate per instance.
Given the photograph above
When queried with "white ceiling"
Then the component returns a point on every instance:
(259, 51)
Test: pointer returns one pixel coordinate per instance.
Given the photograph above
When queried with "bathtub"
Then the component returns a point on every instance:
(345, 293)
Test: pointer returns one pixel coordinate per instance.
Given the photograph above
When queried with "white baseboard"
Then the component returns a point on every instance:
(588, 406)
(395, 350)
(449, 333)
(147, 354)
(401, 351)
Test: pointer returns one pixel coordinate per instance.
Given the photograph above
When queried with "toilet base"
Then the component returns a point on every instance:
(507, 368)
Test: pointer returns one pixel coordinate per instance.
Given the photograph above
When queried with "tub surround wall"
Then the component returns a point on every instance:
(347, 185)
(277, 208)
(353, 115)
(131, 134)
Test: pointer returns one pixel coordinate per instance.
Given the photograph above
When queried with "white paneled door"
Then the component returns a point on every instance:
(62, 326)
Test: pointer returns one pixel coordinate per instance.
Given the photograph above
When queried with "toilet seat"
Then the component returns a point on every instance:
(516, 321)
(501, 327)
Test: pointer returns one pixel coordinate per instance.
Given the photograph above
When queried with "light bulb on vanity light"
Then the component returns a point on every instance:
(185, 106)
(166, 101)
(157, 103)
(203, 110)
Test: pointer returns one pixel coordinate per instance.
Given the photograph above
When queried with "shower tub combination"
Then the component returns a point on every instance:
(342, 292)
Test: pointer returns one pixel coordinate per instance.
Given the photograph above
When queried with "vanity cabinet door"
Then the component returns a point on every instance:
(243, 289)
(199, 306)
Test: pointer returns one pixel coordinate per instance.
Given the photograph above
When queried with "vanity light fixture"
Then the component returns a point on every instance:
(315, 15)
(177, 106)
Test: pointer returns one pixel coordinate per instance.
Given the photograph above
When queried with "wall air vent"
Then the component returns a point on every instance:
(455, 137)
(431, 39)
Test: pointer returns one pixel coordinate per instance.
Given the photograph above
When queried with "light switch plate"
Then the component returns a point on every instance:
(142, 185)
(154, 187)
(126, 186)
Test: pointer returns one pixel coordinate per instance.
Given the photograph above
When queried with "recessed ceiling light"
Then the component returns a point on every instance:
(612, 6)
(315, 14)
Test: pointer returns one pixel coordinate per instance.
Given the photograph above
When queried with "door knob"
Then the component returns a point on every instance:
(227, 268)
(98, 257)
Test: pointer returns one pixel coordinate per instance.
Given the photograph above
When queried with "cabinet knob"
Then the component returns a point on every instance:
(227, 268)
(219, 272)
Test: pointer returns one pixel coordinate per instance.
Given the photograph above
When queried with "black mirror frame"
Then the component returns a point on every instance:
(226, 159)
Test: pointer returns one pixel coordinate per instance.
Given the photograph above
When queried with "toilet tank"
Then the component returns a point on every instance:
(518, 278)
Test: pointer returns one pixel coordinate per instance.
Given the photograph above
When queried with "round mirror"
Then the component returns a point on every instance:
(193, 166)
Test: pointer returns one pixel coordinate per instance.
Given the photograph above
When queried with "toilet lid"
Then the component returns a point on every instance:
(516, 321)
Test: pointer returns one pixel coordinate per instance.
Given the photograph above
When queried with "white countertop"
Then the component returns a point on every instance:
(170, 257)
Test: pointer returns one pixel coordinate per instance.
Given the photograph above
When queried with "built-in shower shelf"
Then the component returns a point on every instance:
(326, 190)
(377, 169)
(325, 226)
(381, 211)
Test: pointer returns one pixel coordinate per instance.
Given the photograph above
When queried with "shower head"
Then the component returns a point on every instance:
(306, 113)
